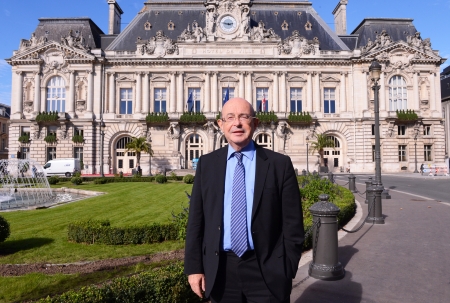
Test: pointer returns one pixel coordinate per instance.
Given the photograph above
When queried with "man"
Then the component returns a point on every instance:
(245, 227)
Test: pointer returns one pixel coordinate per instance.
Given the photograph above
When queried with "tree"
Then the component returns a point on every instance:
(323, 141)
(139, 145)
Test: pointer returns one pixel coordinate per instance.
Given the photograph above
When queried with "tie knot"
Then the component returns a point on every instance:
(238, 156)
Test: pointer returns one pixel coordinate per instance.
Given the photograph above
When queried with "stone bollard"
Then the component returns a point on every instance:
(304, 172)
(351, 183)
(375, 215)
(330, 177)
(325, 264)
(314, 173)
(296, 171)
(368, 185)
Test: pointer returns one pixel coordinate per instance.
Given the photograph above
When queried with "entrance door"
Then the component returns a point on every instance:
(125, 160)
(333, 156)
(194, 149)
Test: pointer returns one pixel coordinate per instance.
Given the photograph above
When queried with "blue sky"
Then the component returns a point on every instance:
(19, 18)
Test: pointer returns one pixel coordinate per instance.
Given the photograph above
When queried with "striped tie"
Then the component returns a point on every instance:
(239, 209)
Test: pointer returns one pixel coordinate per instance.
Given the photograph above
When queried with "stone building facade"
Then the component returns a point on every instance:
(178, 56)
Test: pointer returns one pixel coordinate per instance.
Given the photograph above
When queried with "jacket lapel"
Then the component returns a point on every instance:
(262, 167)
(219, 175)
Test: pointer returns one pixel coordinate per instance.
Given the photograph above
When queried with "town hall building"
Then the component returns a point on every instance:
(78, 92)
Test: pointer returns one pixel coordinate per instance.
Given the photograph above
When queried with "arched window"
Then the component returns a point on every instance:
(264, 140)
(333, 156)
(125, 160)
(398, 95)
(194, 149)
(56, 94)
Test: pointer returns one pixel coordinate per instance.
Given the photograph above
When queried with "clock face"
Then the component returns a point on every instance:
(228, 24)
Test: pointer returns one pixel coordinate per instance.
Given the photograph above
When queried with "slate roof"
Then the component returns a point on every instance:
(55, 28)
(397, 29)
(273, 14)
(445, 84)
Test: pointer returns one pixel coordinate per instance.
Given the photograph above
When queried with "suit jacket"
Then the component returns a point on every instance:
(276, 224)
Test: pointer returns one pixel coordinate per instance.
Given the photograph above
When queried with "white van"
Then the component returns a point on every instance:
(62, 167)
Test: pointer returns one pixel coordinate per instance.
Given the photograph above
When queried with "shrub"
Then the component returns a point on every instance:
(4, 229)
(173, 175)
(77, 174)
(76, 180)
(188, 179)
(157, 118)
(121, 174)
(180, 221)
(47, 117)
(161, 179)
(266, 117)
(78, 139)
(300, 117)
(100, 181)
(163, 285)
(53, 180)
(24, 138)
(51, 138)
(101, 232)
(191, 117)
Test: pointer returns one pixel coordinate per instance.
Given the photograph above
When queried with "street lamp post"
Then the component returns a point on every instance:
(273, 126)
(102, 129)
(416, 132)
(307, 152)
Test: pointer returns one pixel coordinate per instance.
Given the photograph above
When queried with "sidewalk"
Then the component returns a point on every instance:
(405, 260)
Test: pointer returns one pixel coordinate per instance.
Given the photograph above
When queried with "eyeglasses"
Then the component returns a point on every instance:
(243, 118)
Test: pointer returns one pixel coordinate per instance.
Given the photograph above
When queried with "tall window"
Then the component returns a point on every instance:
(194, 149)
(126, 101)
(329, 99)
(373, 153)
(25, 153)
(427, 130)
(264, 140)
(373, 129)
(51, 153)
(427, 153)
(25, 131)
(398, 95)
(401, 130)
(230, 93)
(402, 153)
(78, 154)
(3, 144)
(56, 94)
(160, 100)
(262, 99)
(51, 130)
(194, 99)
(4, 128)
(296, 100)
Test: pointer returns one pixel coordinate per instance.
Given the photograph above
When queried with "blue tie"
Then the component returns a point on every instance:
(238, 226)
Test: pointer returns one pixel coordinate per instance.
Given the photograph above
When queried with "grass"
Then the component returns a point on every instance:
(41, 235)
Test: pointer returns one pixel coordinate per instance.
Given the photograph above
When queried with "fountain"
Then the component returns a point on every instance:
(23, 184)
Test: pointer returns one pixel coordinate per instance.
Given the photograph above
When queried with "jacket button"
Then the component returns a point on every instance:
(217, 253)
(218, 227)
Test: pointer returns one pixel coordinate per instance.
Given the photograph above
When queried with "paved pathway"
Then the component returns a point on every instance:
(405, 260)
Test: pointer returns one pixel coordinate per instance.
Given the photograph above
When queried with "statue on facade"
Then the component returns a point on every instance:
(382, 40)
(244, 22)
(297, 45)
(260, 33)
(75, 41)
(173, 132)
(211, 127)
(211, 16)
(417, 42)
(190, 35)
(159, 45)
(34, 41)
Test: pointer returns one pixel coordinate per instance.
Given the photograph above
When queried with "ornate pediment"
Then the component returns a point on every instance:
(330, 79)
(158, 46)
(297, 45)
(296, 79)
(228, 79)
(53, 54)
(125, 79)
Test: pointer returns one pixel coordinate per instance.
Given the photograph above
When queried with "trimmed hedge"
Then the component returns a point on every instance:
(310, 189)
(120, 179)
(53, 180)
(188, 179)
(166, 284)
(101, 232)
(47, 117)
(5, 230)
(161, 179)
(76, 180)
(266, 117)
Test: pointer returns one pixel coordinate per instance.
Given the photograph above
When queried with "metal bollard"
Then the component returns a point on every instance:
(351, 183)
(330, 177)
(376, 211)
(304, 172)
(325, 264)
(296, 171)
(368, 185)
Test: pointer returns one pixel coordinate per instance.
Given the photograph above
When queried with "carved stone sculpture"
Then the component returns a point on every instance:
(417, 42)
(34, 41)
(173, 132)
(382, 40)
(192, 35)
(297, 45)
(159, 45)
(260, 33)
(75, 41)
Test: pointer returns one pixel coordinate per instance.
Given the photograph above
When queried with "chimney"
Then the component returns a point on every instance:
(340, 17)
(115, 17)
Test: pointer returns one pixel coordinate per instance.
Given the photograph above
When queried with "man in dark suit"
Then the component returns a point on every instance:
(245, 227)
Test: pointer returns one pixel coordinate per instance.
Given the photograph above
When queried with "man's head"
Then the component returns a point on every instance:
(238, 122)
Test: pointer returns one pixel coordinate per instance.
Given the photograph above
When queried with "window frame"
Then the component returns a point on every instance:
(262, 92)
(402, 153)
(427, 152)
(55, 99)
(396, 103)
(126, 100)
(295, 102)
(160, 101)
(196, 99)
(329, 103)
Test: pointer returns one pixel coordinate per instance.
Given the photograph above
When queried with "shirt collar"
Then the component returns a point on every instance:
(248, 151)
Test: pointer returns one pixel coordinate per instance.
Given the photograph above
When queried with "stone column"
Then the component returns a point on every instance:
(282, 100)
(146, 94)
(214, 99)
(112, 94)
(365, 94)
(275, 94)
(19, 100)
(207, 94)
(241, 85)
(173, 94)
(37, 92)
(70, 108)
(432, 92)
(180, 94)
(248, 89)
(309, 93)
(138, 92)
(416, 105)
(317, 100)
(350, 92)
(343, 97)
(90, 96)
(382, 91)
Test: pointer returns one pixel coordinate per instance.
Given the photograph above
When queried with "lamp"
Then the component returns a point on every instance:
(416, 133)
(273, 126)
(102, 133)
(307, 152)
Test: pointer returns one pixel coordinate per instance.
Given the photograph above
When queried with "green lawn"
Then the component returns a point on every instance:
(41, 235)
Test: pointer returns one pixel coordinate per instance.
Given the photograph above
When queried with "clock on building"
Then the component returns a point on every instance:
(228, 24)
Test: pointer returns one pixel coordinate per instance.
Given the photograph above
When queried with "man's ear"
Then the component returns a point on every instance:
(220, 121)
